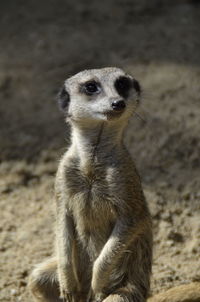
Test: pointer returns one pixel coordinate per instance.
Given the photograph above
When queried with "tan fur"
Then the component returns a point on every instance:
(183, 293)
(104, 234)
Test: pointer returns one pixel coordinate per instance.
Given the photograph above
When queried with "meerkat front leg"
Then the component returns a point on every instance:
(65, 244)
(124, 233)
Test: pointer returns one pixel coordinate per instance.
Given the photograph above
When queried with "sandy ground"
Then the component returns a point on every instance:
(42, 43)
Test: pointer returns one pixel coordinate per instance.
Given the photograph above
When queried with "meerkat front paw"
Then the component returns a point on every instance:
(70, 297)
(99, 297)
(67, 297)
(96, 297)
(68, 288)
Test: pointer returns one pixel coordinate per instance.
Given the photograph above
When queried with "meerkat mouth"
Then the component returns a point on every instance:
(113, 114)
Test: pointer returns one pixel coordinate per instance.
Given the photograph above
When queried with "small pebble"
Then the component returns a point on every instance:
(13, 292)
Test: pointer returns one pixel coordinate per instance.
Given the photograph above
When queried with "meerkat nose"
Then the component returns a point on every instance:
(118, 105)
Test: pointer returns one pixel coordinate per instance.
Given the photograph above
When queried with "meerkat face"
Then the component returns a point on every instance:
(106, 94)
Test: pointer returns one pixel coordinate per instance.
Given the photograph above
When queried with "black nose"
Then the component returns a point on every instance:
(118, 105)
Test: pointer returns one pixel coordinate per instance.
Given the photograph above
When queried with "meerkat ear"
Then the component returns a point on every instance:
(63, 99)
(136, 86)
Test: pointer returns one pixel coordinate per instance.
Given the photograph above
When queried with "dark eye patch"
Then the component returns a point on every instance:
(63, 98)
(91, 87)
(123, 85)
(136, 86)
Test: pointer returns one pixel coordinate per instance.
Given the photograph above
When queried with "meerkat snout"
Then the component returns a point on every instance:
(118, 105)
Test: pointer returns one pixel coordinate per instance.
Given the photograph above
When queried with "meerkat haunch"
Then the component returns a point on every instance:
(103, 225)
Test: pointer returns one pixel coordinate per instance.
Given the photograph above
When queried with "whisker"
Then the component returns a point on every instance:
(140, 117)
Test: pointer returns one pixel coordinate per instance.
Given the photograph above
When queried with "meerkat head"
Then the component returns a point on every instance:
(106, 94)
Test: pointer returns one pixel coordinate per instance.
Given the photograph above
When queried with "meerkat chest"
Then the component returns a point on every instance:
(91, 196)
(94, 198)
(90, 182)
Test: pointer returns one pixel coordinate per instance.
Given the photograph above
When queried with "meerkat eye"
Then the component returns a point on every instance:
(123, 85)
(91, 88)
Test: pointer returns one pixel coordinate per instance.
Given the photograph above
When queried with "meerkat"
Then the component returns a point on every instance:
(103, 225)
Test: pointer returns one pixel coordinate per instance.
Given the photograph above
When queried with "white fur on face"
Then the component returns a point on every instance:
(98, 107)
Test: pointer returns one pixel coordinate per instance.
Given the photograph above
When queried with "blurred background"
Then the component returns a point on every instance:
(44, 42)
